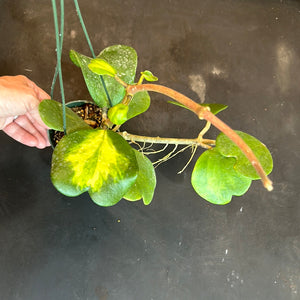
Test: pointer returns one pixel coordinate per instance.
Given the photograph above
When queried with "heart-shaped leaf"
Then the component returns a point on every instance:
(51, 113)
(139, 104)
(215, 179)
(145, 183)
(123, 59)
(229, 149)
(118, 114)
(98, 161)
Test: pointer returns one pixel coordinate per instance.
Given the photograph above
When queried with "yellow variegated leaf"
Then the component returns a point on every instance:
(98, 161)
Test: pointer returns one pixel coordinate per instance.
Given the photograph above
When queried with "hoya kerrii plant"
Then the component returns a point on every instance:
(106, 161)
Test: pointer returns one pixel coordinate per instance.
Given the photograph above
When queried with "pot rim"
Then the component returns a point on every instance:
(70, 104)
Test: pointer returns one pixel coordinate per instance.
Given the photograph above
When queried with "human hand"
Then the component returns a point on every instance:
(19, 115)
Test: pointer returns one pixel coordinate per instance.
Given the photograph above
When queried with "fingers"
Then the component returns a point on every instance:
(23, 131)
(20, 135)
(4, 122)
(39, 125)
(35, 129)
(20, 96)
(34, 117)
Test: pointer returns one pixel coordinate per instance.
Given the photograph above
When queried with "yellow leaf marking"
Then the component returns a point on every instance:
(96, 161)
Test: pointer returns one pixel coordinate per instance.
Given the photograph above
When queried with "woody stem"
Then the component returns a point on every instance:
(204, 113)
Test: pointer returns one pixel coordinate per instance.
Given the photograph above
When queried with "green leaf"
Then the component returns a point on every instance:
(139, 104)
(178, 104)
(101, 67)
(215, 179)
(149, 76)
(123, 59)
(51, 113)
(121, 113)
(118, 114)
(145, 183)
(92, 80)
(98, 161)
(229, 149)
(215, 108)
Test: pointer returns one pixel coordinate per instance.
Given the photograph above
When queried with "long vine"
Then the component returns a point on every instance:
(204, 113)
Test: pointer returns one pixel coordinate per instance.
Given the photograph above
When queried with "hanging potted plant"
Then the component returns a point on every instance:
(94, 155)
(100, 160)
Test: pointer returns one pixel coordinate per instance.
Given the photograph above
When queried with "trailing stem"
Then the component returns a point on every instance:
(204, 143)
(204, 113)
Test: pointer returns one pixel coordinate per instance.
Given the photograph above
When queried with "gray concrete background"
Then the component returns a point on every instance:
(245, 54)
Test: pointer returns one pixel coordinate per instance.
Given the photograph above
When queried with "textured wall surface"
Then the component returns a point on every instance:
(245, 54)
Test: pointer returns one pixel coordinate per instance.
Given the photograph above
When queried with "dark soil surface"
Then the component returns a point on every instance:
(90, 113)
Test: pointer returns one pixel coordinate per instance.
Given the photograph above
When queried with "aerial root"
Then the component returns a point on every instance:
(194, 148)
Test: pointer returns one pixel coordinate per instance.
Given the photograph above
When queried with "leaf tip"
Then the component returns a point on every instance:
(73, 57)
